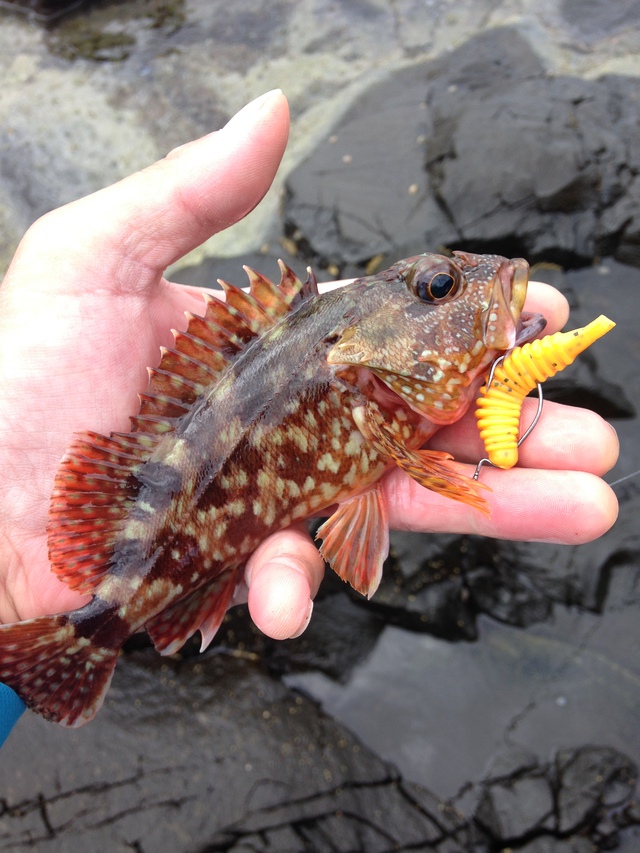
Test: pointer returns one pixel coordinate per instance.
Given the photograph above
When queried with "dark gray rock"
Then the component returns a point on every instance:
(525, 160)
(43, 11)
(461, 577)
(591, 781)
(208, 754)
(482, 150)
(515, 808)
(363, 192)
(375, 819)
(585, 789)
(339, 636)
(597, 18)
(549, 844)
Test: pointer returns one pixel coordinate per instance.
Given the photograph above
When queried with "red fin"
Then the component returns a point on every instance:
(356, 540)
(93, 490)
(202, 353)
(431, 468)
(270, 296)
(202, 610)
(277, 300)
(294, 290)
(246, 307)
(56, 673)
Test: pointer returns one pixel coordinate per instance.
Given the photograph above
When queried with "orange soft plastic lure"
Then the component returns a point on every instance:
(498, 408)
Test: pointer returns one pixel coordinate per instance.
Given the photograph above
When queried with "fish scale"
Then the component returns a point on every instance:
(277, 405)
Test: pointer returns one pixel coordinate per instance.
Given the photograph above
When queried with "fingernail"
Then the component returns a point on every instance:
(254, 106)
(305, 622)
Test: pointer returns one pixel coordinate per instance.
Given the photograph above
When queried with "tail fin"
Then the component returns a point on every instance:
(56, 672)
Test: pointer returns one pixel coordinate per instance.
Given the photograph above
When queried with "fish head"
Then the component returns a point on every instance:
(430, 327)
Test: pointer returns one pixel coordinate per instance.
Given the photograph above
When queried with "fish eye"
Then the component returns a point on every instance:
(435, 286)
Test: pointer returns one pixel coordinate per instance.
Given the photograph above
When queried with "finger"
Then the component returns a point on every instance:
(283, 576)
(150, 219)
(545, 299)
(565, 437)
(569, 507)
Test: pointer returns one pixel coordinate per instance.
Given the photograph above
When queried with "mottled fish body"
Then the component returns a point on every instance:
(275, 406)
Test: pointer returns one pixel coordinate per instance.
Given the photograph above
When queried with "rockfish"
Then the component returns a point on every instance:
(277, 405)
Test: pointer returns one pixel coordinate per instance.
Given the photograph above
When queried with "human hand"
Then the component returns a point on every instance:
(84, 309)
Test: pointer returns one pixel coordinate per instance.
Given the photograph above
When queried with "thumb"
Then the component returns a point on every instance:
(283, 576)
(148, 220)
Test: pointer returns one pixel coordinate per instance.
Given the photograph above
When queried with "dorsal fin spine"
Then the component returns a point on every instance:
(198, 349)
(250, 311)
(269, 295)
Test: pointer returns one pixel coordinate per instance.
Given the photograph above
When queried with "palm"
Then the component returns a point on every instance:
(72, 357)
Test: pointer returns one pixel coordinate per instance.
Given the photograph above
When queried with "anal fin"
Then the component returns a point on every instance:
(201, 610)
(355, 540)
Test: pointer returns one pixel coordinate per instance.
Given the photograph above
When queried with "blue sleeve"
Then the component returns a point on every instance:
(11, 707)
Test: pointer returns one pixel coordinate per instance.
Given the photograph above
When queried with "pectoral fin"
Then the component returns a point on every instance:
(356, 540)
(433, 469)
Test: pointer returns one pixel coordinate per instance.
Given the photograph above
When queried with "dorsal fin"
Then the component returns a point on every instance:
(97, 482)
(246, 306)
(92, 495)
(201, 354)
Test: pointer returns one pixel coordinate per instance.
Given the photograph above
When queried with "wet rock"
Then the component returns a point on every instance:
(219, 751)
(591, 782)
(450, 580)
(551, 844)
(516, 807)
(344, 205)
(553, 179)
(434, 596)
(340, 635)
(512, 160)
(584, 789)
(595, 18)
(100, 46)
(43, 10)
(348, 819)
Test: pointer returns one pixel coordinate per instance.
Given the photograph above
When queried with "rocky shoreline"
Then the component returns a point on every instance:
(500, 676)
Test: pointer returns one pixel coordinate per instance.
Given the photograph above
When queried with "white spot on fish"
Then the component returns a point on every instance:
(299, 438)
(353, 445)
(327, 463)
(236, 507)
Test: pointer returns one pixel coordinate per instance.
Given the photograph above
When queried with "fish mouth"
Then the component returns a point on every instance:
(504, 324)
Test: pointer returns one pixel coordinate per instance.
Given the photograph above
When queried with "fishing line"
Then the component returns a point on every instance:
(622, 479)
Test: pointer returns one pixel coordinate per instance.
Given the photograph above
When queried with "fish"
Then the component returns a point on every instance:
(279, 404)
